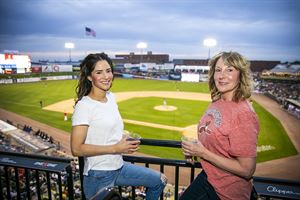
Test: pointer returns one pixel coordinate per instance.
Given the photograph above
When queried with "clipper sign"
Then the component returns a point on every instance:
(285, 190)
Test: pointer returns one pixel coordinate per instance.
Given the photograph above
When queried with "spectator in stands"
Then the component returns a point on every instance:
(227, 134)
(97, 134)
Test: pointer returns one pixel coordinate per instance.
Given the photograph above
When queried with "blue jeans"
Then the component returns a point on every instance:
(200, 189)
(127, 175)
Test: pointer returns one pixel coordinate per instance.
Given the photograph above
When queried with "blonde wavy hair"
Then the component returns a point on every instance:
(239, 62)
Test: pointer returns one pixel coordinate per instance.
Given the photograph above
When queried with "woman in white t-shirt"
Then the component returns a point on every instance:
(97, 134)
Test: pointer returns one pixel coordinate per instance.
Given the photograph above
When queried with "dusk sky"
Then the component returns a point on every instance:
(258, 29)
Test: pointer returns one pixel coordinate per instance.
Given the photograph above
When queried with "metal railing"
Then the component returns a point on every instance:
(161, 162)
(27, 176)
(266, 188)
(177, 164)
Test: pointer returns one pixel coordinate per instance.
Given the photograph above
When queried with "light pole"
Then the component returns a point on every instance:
(209, 42)
(70, 46)
(141, 46)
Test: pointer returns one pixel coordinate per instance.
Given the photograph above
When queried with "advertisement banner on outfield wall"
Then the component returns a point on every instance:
(57, 68)
(36, 68)
(189, 77)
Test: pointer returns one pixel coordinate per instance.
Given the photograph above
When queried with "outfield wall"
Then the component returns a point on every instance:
(36, 79)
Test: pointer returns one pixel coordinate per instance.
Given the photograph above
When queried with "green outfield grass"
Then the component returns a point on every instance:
(155, 85)
(272, 133)
(24, 100)
(188, 112)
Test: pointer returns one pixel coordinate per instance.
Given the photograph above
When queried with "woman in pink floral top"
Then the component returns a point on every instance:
(227, 134)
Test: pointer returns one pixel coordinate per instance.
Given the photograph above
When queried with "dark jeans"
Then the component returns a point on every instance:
(200, 189)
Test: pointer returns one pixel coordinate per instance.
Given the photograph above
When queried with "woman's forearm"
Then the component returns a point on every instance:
(243, 167)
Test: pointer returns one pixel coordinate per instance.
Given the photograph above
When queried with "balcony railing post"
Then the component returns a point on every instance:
(1, 184)
(7, 182)
(60, 187)
(176, 182)
(162, 171)
(48, 185)
(70, 182)
(81, 166)
(27, 184)
(192, 174)
(17, 182)
(38, 187)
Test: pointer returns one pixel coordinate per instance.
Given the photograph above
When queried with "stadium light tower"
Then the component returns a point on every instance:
(209, 42)
(70, 46)
(141, 46)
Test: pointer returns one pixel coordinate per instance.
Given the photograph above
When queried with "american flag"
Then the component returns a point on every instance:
(89, 31)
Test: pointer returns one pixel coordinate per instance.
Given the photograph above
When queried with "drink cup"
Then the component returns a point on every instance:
(133, 136)
(191, 140)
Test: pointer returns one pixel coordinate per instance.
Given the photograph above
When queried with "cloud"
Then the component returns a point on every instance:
(175, 27)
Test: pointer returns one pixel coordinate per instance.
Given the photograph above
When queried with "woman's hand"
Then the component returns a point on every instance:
(127, 146)
(192, 150)
(243, 167)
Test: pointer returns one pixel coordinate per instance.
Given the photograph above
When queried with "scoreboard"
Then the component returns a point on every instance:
(14, 63)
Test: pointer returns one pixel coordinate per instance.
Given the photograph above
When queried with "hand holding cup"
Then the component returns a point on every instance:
(131, 141)
(188, 141)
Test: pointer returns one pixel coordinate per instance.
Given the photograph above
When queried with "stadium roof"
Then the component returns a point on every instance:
(286, 68)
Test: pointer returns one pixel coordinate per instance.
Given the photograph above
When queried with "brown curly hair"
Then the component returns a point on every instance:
(86, 67)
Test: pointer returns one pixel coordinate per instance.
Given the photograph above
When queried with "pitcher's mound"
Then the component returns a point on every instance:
(165, 108)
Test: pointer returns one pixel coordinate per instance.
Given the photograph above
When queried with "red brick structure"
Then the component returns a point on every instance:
(256, 65)
(144, 58)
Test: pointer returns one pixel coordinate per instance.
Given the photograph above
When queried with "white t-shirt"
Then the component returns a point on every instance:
(105, 128)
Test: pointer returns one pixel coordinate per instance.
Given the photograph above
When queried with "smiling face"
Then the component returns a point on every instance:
(101, 77)
(226, 79)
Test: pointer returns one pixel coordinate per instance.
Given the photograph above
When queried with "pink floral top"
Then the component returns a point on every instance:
(229, 129)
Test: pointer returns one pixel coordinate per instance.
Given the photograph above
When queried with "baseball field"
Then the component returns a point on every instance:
(47, 101)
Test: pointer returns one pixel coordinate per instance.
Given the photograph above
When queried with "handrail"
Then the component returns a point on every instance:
(33, 165)
(165, 162)
(162, 143)
(37, 156)
(158, 161)
(265, 187)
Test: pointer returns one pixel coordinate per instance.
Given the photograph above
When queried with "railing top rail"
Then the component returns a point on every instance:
(37, 162)
(276, 181)
(35, 156)
(162, 143)
(158, 161)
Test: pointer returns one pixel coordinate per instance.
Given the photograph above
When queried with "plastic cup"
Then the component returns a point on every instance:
(191, 140)
(133, 136)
